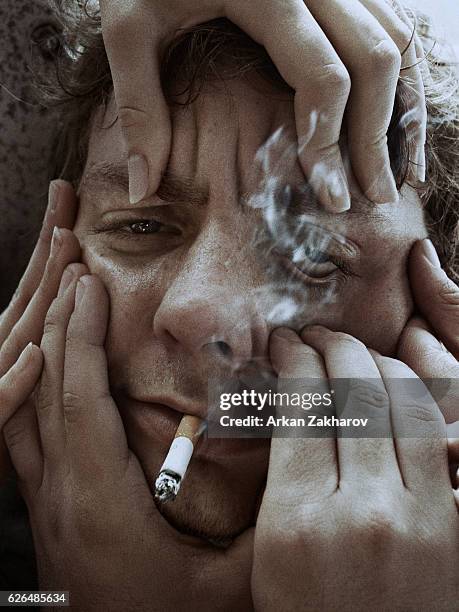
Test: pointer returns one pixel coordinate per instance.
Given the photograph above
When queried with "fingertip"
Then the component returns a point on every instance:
(284, 333)
(31, 353)
(310, 330)
(429, 252)
(328, 179)
(138, 178)
(147, 134)
(62, 205)
(90, 317)
(338, 189)
(376, 179)
(418, 322)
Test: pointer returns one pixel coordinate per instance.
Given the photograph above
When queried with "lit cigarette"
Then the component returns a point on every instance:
(175, 465)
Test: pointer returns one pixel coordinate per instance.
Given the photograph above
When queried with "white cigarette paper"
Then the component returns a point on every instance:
(175, 465)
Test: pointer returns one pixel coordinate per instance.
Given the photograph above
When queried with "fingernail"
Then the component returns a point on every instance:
(138, 178)
(53, 196)
(339, 193)
(28, 348)
(430, 253)
(56, 241)
(385, 191)
(83, 283)
(66, 281)
(25, 356)
(421, 166)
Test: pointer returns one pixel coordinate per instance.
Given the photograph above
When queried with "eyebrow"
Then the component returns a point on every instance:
(173, 189)
(176, 189)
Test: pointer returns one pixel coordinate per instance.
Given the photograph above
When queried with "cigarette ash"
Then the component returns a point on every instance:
(167, 486)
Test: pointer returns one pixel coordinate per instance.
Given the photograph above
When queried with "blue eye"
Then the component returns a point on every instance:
(145, 227)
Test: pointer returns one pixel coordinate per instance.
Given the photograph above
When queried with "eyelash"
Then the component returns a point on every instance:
(320, 284)
(338, 276)
(118, 228)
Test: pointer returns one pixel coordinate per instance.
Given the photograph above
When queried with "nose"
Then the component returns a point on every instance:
(208, 307)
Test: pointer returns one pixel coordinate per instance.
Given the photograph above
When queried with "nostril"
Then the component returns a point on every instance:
(219, 349)
(224, 349)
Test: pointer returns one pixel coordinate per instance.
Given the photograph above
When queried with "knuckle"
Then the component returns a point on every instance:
(131, 118)
(424, 412)
(335, 77)
(52, 321)
(366, 398)
(71, 404)
(369, 393)
(346, 341)
(385, 57)
(15, 433)
(378, 525)
(43, 399)
(402, 34)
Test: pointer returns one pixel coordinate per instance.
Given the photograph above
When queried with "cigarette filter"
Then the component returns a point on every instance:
(175, 465)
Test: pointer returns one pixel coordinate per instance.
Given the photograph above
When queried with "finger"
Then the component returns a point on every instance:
(452, 433)
(435, 295)
(23, 444)
(61, 212)
(133, 54)
(430, 360)
(371, 456)
(19, 381)
(322, 84)
(15, 387)
(49, 400)
(419, 428)
(64, 250)
(414, 120)
(303, 466)
(96, 440)
(373, 61)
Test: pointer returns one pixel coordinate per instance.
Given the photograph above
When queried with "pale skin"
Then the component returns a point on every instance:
(353, 56)
(159, 317)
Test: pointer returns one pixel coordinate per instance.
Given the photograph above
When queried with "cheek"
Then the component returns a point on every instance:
(381, 314)
(135, 295)
(375, 312)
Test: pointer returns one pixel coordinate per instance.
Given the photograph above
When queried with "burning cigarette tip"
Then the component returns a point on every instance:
(167, 486)
(174, 468)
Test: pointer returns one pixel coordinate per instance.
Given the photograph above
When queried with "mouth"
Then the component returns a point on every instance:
(157, 418)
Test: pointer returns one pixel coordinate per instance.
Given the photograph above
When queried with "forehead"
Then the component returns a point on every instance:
(233, 142)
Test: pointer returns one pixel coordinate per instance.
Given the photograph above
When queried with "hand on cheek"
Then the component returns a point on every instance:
(380, 507)
(95, 526)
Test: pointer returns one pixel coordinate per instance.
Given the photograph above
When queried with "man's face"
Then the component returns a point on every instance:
(199, 278)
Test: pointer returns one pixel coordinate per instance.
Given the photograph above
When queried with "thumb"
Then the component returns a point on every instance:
(436, 296)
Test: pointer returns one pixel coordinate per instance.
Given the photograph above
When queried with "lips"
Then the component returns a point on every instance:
(154, 423)
(176, 404)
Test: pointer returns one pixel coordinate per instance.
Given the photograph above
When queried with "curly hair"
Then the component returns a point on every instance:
(218, 50)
